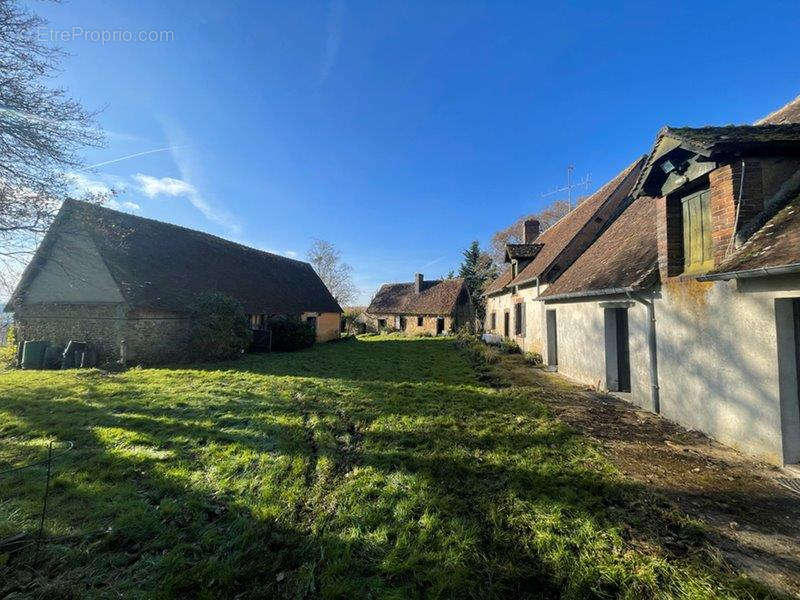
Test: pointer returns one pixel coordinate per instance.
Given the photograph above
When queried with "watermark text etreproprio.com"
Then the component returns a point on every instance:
(105, 36)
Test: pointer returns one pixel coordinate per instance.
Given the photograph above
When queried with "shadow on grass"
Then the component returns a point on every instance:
(359, 469)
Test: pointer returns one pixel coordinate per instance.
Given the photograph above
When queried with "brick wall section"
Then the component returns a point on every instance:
(725, 185)
(669, 237)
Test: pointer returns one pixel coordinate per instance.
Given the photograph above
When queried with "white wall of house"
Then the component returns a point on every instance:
(534, 338)
(720, 350)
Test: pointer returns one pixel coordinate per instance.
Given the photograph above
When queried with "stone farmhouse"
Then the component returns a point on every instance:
(435, 307)
(104, 276)
(687, 302)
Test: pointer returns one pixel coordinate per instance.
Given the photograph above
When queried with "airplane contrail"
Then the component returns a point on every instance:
(116, 160)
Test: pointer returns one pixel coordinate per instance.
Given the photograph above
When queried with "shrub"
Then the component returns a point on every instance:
(289, 334)
(425, 334)
(219, 330)
(510, 347)
(533, 358)
(8, 353)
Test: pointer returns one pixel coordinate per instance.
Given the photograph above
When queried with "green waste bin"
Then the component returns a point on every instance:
(33, 354)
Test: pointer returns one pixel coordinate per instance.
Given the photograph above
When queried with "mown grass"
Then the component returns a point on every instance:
(371, 468)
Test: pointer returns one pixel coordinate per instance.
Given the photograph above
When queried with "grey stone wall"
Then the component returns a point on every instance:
(151, 337)
(98, 324)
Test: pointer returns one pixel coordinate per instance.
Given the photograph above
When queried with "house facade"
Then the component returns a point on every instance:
(433, 307)
(688, 303)
(511, 307)
(120, 281)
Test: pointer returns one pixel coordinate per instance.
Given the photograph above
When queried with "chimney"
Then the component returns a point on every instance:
(530, 230)
(418, 283)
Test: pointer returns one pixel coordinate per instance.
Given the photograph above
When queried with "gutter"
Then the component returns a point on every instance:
(589, 293)
(748, 273)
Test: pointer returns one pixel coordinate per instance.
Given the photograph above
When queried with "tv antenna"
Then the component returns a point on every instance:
(584, 183)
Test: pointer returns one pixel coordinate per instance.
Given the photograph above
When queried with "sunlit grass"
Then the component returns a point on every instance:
(377, 468)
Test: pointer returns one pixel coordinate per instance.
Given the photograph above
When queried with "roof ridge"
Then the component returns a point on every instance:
(82, 204)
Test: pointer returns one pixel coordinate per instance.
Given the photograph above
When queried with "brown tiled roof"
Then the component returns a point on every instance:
(500, 283)
(715, 140)
(438, 297)
(522, 251)
(775, 244)
(785, 114)
(624, 256)
(556, 238)
(162, 266)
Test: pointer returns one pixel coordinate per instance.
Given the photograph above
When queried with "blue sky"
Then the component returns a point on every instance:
(400, 131)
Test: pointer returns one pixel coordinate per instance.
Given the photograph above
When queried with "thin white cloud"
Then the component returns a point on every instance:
(82, 185)
(125, 205)
(163, 186)
(432, 262)
(333, 39)
(127, 157)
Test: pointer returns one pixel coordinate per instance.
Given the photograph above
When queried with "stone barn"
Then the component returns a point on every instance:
(436, 307)
(104, 276)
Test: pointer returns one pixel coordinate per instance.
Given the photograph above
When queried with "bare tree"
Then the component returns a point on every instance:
(41, 131)
(335, 274)
(512, 234)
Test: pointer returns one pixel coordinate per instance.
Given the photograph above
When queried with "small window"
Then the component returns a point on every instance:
(519, 318)
(420, 321)
(312, 321)
(698, 250)
(257, 322)
(513, 269)
(381, 323)
(493, 321)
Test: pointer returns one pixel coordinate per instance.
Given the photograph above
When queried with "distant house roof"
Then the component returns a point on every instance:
(162, 266)
(555, 240)
(499, 284)
(624, 256)
(790, 113)
(438, 297)
(522, 251)
(775, 244)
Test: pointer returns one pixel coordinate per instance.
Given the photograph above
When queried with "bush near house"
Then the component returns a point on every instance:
(289, 334)
(8, 353)
(219, 330)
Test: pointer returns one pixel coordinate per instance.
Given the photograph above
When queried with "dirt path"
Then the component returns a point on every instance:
(752, 519)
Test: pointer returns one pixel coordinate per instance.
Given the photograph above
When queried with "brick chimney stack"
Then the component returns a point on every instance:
(530, 231)
(418, 283)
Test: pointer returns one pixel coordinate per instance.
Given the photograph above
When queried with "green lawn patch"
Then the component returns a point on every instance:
(371, 468)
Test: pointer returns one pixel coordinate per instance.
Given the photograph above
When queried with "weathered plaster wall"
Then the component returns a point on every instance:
(718, 359)
(328, 326)
(74, 272)
(534, 338)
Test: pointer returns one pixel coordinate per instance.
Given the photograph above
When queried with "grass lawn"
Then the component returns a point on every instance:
(370, 468)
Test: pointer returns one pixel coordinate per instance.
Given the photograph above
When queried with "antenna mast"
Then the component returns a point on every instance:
(584, 183)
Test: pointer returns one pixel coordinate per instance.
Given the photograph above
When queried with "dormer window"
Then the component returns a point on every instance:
(698, 248)
(513, 269)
